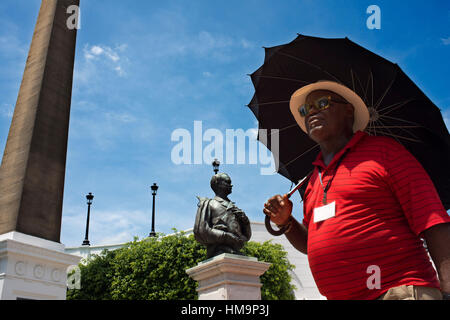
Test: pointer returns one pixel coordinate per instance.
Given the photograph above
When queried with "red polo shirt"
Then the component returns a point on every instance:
(384, 201)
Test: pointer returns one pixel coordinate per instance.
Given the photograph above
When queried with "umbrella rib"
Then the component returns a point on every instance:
(387, 90)
(410, 133)
(395, 106)
(379, 120)
(266, 103)
(370, 126)
(400, 119)
(362, 88)
(403, 128)
(313, 147)
(309, 63)
(282, 78)
(398, 127)
(284, 128)
(394, 135)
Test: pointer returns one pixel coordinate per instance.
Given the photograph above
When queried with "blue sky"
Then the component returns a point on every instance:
(146, 68)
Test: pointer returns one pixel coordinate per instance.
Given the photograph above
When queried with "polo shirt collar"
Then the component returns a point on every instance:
(353, 141)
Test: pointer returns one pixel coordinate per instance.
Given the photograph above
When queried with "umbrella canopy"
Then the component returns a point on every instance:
(397, 107)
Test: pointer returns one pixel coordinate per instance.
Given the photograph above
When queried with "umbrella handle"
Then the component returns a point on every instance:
(271, 230)
(289, 194)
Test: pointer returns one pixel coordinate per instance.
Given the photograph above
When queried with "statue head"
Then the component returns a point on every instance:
(221, 184)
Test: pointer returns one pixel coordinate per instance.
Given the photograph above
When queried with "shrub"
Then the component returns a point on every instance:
(155, 269)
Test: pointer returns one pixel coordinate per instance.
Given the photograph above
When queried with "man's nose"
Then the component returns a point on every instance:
(314, 110)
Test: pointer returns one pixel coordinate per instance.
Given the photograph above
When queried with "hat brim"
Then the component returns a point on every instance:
(361, 118)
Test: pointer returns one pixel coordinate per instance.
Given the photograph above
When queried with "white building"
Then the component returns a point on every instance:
(301, 276)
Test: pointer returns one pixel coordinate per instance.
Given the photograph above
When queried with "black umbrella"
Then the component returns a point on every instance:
(397, 107)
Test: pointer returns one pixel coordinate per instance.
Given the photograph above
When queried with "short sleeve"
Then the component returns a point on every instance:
(413, 189)
(306, 213)
(306, 218)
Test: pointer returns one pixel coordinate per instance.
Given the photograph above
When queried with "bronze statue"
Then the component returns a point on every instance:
(219, 224)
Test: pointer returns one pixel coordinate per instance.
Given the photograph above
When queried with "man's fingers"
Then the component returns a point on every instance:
(267, 212)
(276, 202)
(271, 206)
(281, 200)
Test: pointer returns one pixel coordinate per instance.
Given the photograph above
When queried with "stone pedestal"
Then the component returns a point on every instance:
(33, 268)
(229, 277)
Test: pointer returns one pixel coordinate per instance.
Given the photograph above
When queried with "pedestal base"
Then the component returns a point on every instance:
(33, 268)
(229, 277)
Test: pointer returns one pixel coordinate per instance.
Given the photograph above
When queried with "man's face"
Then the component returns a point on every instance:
(334, 120)
(225, 184)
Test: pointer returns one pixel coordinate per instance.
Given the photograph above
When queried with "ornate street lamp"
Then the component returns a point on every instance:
(154, 188)
(89, 198)
(216, 164)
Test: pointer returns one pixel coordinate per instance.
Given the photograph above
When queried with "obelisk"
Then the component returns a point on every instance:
(33, 165)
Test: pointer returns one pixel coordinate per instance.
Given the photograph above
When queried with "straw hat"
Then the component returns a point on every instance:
(299, 97)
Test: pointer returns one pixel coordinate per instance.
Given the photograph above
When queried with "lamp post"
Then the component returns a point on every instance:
(89, 198)
(216, 164)
(154, 188)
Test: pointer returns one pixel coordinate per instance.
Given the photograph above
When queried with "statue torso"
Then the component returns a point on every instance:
(223, 217)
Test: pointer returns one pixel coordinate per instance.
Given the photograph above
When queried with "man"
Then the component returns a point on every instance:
(219, 224)
(366, 206)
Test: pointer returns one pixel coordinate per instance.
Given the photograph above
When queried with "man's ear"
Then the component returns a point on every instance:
(350, 110)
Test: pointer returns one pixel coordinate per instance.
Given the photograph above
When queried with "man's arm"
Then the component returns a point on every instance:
(438, 243)
(279, 209)
(298, 236)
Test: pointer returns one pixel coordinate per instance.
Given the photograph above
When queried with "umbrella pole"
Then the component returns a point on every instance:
(298, 185)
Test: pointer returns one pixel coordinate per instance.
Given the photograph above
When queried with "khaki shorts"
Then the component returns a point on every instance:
(412, 293)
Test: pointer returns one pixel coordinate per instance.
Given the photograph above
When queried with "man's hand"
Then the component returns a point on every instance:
(279, 209)
(233, 240)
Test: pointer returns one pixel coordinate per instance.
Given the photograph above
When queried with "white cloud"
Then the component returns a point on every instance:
(446, 41)
(119, 71)
(207, 41)
(105, 226)
(96, 50)
(121, 237)
(7, 110)
(121, 117)
(203, 44)
(118, 226)
(105, 55)
(246, 44)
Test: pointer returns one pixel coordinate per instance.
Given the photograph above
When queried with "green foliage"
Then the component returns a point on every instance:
(275, 281)
(155, 269)
(96, 277)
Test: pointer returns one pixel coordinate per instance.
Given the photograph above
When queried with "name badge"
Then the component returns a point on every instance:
(325, 212)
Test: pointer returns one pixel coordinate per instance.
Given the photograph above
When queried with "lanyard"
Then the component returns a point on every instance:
(325, 189)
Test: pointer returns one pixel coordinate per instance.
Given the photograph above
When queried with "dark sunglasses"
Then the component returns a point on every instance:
(320, 104)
